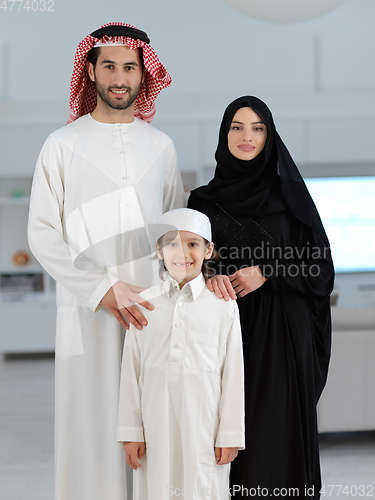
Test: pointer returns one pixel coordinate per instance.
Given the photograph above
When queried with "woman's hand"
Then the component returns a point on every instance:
(247, 280)
(222, 287)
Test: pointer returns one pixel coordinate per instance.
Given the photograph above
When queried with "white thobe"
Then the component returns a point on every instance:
(182, 392)
(96, 189)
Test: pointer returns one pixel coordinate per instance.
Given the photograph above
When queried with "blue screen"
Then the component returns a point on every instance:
(347, 208)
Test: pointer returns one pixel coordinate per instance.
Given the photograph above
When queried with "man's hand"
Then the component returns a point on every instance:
(225, 455)
(222, 287)
(133, 452)
(120, 300)
(247, 280)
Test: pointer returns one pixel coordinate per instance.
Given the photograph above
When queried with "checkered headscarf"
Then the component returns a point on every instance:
(83, 95)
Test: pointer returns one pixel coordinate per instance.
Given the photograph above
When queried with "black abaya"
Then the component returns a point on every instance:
(286, 339)
(262, 214)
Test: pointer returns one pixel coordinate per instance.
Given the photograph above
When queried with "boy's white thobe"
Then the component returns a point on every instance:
(182, 392)
(96, 188)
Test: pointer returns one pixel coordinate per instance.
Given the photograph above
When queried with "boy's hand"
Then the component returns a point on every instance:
(225, 455)
(133, 452)
(120, 300)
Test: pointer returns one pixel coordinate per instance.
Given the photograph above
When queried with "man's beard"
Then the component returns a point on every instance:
(112, 102)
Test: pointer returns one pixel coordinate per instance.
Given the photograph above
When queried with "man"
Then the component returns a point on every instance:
(99, 185)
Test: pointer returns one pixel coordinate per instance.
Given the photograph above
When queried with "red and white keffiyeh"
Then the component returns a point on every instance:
(83, 95)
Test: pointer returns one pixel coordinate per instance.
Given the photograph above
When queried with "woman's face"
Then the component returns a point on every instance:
(247, 134)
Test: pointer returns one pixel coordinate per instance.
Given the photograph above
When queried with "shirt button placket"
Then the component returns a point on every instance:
(123, 155)
(176, 353)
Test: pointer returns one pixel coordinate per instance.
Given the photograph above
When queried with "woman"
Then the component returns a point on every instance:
(275, 258)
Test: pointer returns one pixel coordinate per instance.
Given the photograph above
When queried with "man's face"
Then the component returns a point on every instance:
(118, 76)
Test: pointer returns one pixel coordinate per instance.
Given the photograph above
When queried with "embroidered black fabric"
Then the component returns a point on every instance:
(243, 242)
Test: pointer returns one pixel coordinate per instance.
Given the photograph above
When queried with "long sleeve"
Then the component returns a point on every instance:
(173, 195)
(304, 266)
(130, 426)
(231, 431)
(306, 269)
(46, 233)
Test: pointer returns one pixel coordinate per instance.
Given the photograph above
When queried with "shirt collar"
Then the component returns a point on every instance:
(193, 287)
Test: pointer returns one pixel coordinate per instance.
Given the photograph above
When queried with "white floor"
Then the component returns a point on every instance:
(348, 465)
(26, 441)
(26, 430)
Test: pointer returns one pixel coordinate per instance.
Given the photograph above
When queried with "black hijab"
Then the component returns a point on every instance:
(267, 184)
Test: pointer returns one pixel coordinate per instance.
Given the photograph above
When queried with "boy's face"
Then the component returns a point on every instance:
(183, 253)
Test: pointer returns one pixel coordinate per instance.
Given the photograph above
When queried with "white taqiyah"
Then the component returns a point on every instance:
(185, 219)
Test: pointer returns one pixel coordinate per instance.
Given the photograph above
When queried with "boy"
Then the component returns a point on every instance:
(181, 393)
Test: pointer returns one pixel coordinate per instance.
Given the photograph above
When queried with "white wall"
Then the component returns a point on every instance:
(206, 45)
(318, 77)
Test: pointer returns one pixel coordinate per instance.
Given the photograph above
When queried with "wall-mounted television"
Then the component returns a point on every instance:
(347, 208)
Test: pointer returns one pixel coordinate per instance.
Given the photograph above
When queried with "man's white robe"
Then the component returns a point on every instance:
(97, 190)
(182, 392)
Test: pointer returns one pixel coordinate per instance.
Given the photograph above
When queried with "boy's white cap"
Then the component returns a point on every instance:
(185, 219)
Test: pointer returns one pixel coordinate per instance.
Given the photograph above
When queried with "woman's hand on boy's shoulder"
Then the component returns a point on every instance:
(225, 455)
(134, 451)
(221, 286)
